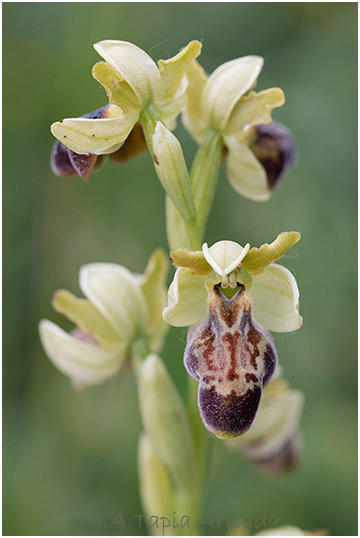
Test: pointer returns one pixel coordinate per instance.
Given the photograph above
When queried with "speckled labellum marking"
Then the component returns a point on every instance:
(233, 357)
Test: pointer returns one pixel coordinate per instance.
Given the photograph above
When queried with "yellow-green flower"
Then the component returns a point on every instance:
(222, 103)
(140, 92)
(233, 296)
(119, 308)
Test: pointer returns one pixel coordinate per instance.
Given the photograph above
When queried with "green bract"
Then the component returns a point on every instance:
(220, 103)
(119, 308)
(273, 289)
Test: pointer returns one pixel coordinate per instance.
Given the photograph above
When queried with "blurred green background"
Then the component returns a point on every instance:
(70, 459)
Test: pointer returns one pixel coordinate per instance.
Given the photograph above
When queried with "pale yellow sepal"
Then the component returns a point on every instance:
(192, 117)
(225, 87)
(253, 109)
(258, 259)
(245, 173)
(275, 299)
(133, 65)
(97, 136)
(171, 169)
(156, 490)
(194, 260)
(166, 422)
(225, 256)
(153, 287)
(172, 71)
(116, 293)
(118, 90)
(86, 316)
(84, 363)
(187, 299)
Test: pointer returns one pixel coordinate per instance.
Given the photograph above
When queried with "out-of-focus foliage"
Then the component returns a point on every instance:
(70, 458)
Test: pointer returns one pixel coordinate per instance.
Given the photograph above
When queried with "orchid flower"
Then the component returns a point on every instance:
(224, 103)
(119, 307)
(232, 296)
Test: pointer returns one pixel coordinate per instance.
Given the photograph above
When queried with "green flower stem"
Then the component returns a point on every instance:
(204, 175)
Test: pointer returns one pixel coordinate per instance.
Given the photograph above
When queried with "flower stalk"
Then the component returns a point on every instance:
(228, 295)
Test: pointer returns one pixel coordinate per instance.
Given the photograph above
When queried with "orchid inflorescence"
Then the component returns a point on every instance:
(230, 296)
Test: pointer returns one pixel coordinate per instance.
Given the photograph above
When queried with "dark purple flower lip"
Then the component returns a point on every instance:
(275, 148)
(233, 357)
(65, 162)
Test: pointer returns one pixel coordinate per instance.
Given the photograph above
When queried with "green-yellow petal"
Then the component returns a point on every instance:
(253, 109)
(86, 316)
(97, 136)
(118, 90)
(154, 290)
(194, 260)
(275, 299)
(187, 299)
(173, 70)
(257, 259)
(245, 173)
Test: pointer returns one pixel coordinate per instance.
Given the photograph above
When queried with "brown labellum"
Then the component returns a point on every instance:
(233, 357)
(65, 162)
(274, 146)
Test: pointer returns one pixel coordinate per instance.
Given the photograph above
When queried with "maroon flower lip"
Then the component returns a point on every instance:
(233, 357)
(65, 162)
(275, 148)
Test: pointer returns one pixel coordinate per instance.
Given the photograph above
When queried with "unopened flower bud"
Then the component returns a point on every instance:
(274, 146)
(165, 421)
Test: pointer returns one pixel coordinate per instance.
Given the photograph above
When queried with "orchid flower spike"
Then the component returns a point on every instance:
(232, 296)
(257, 153)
